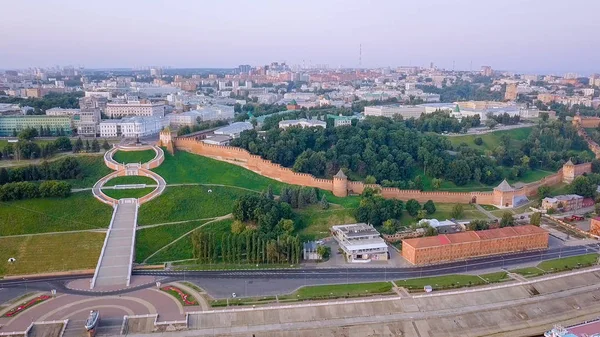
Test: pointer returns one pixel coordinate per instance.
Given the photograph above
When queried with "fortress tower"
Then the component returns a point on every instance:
(568, 171)
(340, 184)
(166, 140)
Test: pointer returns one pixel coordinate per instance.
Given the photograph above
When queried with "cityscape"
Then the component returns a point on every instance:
(299, 169)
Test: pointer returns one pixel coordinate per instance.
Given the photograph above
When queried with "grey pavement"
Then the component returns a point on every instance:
(8, 294)
(486, 212)
(116, 262)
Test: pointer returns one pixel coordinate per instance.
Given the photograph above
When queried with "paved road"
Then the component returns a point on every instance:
(325, 275)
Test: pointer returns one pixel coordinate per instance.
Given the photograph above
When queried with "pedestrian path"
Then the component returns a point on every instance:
(116, 258)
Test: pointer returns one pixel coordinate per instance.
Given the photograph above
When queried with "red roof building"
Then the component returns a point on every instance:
(459, 246)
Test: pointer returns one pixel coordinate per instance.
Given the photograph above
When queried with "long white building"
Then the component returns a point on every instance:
(188, 118)
(216, 112)
(135, 108)
(132, 127)
(406, 111)
(303, 122)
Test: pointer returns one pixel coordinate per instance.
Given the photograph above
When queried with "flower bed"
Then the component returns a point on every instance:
(26, 305)
(183, 297)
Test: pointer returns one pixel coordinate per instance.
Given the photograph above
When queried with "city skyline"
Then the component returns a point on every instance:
(464, 35)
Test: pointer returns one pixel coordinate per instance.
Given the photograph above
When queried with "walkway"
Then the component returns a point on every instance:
(486, 212)
(116, 258)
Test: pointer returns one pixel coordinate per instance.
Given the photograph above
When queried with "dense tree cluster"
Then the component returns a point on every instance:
(27, 149)
(248, 247)
(266, 214)
(466, 91)
(29, 190)
(68, 100)
(299, 197)
(440, 121)
(67, 168)
(505, 119)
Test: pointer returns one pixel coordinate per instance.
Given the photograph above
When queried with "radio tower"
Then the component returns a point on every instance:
(360, 55)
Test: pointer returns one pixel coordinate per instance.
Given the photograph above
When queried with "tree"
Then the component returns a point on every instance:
(324, 252)
(478, 225)
(323, 203)
(507, 220)
(95, 145)
(237, 227)
(429, 206)
(543, 192)
(370, 180)
(478, 141)
(270, 192)
(536, 218)
(78, 146)
(412, 207)
(457, 211)
(421, 214)
(88, 147)
(551, 210)
(28, 134)
(436, 183)
(63, 144)
(287, 225)
(105, 145)
(389, 226)
(3, 176)
(430, 231)
(582, 186)
(596, 206)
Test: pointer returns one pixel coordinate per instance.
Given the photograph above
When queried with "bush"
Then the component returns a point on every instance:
(29, 190)
(478, 141)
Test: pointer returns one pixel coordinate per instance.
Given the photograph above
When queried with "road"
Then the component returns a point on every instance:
(325, 275)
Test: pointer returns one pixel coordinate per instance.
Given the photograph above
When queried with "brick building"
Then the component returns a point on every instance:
(458, 246)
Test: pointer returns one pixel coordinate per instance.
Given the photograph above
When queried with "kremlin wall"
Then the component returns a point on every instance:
(502, 196)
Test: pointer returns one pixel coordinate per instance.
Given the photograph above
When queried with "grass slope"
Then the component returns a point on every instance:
(50, 253)
(149, 240)
(78, 211)
(130, 180)
(492, 140)
(189, 203)
(128, 193)
(128, 157)
(182, 249)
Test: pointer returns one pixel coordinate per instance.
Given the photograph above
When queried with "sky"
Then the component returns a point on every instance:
(527, 36)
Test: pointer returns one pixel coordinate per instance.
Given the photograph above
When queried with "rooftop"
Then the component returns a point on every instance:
(504, 186)
(470, 236)
(355, 230)
(236, 127)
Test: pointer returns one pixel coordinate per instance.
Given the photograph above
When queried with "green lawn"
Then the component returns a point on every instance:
(495, 277)
(182, 249)
(314, 222)
(130, 180)
(50, 253)
(441, 282)
(568, 263)
(78, 211)
(189, 203)
(339, 290)
(531, 176)
(558, 265)
(149, 240)
(128, 193)
(492, 140)
(185, 167)
(443, 212)
(528, 271)
(129, 157)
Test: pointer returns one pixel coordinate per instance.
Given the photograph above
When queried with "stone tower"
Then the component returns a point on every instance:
(568, 171)
(166, 140)
(340, 184)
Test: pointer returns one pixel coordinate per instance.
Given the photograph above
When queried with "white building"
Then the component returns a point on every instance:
(233, 130)
(406, 111)
(303, 122)
(132, 127)
(216, 112)
(217, 140)
(135, 108)
(105, 94)
(185, 118)
(62, 112)
(360, 242)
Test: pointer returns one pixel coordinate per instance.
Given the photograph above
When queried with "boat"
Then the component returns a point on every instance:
(92, 321)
